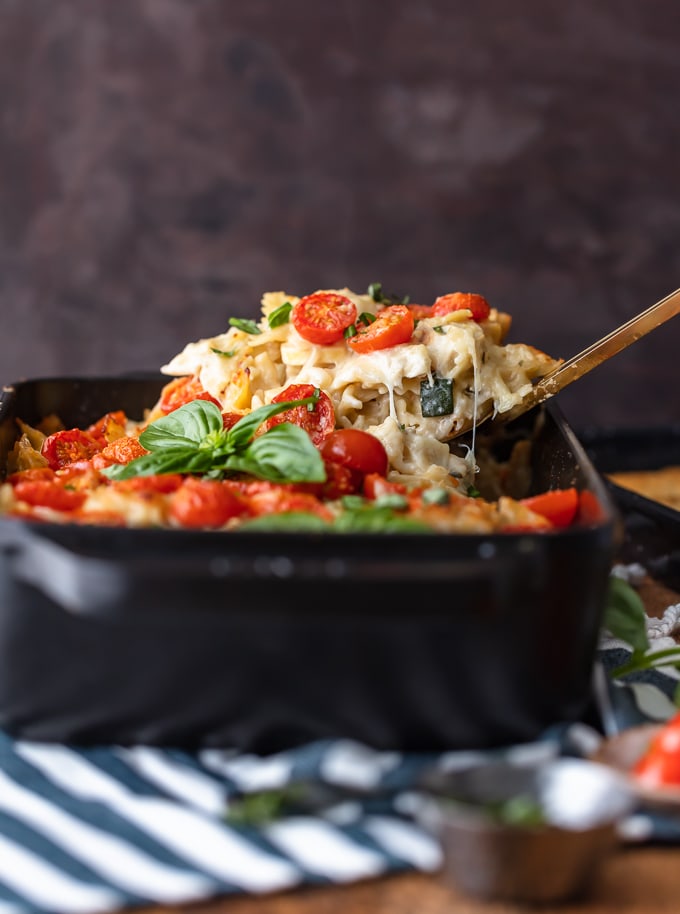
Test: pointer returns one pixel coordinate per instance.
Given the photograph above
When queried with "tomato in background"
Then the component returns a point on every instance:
(477, 305)
(356, 450)
(660, 765)
(63, 448)
(181, 391)
(391, 327)
(109, 428)
(323, 317)
(122, 450)
(318, 422)
(279, 500)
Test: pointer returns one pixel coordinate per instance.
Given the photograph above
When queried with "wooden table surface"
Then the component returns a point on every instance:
(633, 880)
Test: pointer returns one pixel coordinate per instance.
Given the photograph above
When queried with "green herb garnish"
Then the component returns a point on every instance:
(244, 324)
(349, 332)
(439, 329)
(192, 439)
(366, 318)
(435, 496)
(377, 294)
(227, 353)
(473, 492)
(280, 316)
(436, 399)
(395, 501)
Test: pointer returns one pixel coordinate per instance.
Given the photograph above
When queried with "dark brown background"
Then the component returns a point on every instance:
(162, 162)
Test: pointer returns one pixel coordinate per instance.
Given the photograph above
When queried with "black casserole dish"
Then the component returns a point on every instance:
(652, 529)
(264, 640)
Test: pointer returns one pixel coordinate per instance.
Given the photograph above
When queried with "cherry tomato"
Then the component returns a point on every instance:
(182, 391)
(123, 450)
(279, 500)
(161, 484)
(340, 481)
(32, 475)
(357, 450)
(318, 422)
(229, 420)
(65, 447)
(420, 311)
(110, 427)
(376, 485)
(559, 506)
(323, 317)
(46, 494)
(660, 765)
(205, 503)
(392, 326)
(462, 301)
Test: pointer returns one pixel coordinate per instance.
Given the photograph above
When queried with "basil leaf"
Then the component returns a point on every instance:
(228, 354)
(291, 521)
(366, 318)
(169, 460)
(247, 326)
(375, 291)
(241, 433)
(393, 500)
(625, 614)
(436, 399)
(280, 316)
(349, 332)
(436, 496)
(378, 520)
(283, 454)
(184, 427)
(377, 294)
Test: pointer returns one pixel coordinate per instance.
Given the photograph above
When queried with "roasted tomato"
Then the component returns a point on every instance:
(357, 450)
(161, 484)
(279, 500)
(420, 311)
(109, 428)
(376, 485)
(66, 447)
(181, 391)
(392, 326)
(123, 450)
(318, 421)
(44, 493)
(559, 506)
(477, 305)
(205, 503)
(323, 317)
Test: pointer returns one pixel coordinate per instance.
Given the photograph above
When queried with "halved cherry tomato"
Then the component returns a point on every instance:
(182, 391)
(462, 301)
(357, 450)
(323, 317)
(110, 427)
(420, 311)
(559, 506)
(67, 446)
(376, 485)
(205, 503)
(123, 450)
(278, 500)
(318, 422)
(46, 494)
(660, 765)
(161, 484)
(392, 326)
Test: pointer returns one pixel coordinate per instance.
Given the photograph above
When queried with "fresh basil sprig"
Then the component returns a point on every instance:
(280, 316)
(192, 439)
(376, 292)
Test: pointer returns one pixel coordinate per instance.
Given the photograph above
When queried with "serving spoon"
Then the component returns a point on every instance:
(579, 365)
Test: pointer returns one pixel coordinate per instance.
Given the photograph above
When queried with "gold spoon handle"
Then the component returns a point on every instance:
(599, 352)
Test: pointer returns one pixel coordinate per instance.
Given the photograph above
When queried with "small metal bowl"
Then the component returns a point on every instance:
(553, 859)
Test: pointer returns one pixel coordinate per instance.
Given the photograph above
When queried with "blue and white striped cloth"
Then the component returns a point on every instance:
(98, 829)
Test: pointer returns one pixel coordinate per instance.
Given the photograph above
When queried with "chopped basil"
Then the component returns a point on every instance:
(366, 317)
(247, 326)
(228, 354)
(350, 331)
(353, 502)
(280, 316)
(436, 496)
(439, 329)
(377, 294)
(436, 399)
(291, 522)
(474, 492)
(393, 500)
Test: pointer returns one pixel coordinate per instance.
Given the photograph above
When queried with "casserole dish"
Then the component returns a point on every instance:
(651, 529)
(265, 640)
